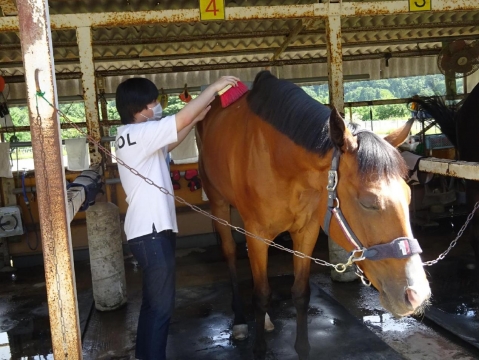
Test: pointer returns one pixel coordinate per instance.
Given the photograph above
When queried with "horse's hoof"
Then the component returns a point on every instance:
(268, 325)
(303, 350)
(240, 332)
(259, 350)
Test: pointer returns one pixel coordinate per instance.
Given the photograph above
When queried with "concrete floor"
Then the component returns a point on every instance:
(345, 319)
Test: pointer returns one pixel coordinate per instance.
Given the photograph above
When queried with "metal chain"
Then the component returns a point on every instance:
(194, 207)
(453, 242)
(51, 244)
(341, 267)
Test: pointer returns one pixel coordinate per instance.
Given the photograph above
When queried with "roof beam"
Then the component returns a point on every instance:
(291, 37)
(316, 10)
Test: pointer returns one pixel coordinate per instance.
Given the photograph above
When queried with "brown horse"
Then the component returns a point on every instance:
(274, 156)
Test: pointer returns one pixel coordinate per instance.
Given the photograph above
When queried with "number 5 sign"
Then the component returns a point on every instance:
(212, 9)
(420, 5)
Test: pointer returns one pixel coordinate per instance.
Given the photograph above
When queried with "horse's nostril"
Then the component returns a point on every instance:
(413, 298)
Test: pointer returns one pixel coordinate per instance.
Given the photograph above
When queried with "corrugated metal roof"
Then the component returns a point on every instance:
(196, 51)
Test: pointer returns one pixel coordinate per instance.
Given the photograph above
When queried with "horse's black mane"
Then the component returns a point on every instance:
(464, 116)
(436, 107)
(305, 121)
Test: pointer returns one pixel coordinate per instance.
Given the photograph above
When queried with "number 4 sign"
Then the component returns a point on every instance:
(212, 9)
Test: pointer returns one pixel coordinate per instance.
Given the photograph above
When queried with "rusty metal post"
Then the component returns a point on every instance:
(36, 41)
(336, 98)
(335, 59)
(104, 129)
(89, 90)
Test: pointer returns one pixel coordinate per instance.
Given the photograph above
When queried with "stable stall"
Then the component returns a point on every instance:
(67, 51)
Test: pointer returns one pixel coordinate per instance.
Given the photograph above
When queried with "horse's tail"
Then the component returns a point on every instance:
(439, 111)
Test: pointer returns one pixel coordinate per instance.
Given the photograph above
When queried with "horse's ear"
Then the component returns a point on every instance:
(398, 136)
(339, 133)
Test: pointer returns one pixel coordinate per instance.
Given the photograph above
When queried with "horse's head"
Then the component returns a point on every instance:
(373, 197)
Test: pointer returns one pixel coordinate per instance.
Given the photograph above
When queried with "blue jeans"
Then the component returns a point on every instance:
(155, 254)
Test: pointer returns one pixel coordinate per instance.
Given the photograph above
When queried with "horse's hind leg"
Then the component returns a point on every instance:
(221, 209)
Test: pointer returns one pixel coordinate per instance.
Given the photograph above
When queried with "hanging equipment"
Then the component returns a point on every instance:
(3, 102)
(163, 99)
(185, 95)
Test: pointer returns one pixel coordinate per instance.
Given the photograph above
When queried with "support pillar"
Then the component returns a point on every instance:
(336, 98)
(87, 67)
(37, 50)
(335, 58)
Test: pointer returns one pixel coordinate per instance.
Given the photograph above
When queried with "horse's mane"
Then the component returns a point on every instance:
(291, 111)
(305, 121)
(460, 124)
(439, 111)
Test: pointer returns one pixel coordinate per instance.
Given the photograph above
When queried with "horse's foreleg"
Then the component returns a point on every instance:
(222, 210)
(301, 293)
(258, 257)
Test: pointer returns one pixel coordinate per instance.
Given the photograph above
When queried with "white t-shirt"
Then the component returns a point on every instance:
(144, 147)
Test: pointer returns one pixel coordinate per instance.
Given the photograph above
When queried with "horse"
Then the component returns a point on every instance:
(274, 156)
(461, 126)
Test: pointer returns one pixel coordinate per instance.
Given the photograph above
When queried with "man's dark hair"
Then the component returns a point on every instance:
(132, 96)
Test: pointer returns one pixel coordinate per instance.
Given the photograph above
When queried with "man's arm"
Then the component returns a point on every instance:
(194, 108)
(186, 130)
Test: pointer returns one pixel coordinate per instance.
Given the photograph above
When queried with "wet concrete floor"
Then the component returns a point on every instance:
(345, 319)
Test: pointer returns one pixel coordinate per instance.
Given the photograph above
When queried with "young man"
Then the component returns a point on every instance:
(150, 223)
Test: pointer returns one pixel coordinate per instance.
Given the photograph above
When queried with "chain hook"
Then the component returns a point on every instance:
(361, 275)
(341, 267)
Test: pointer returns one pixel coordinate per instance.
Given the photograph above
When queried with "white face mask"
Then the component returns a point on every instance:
(157, 112)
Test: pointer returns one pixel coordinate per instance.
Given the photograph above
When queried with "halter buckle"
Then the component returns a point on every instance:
(332, 180)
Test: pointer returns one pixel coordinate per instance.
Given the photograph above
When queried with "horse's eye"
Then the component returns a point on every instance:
(369, 201)
(369, 206)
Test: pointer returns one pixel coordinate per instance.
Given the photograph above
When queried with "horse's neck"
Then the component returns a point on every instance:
(292, 160)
